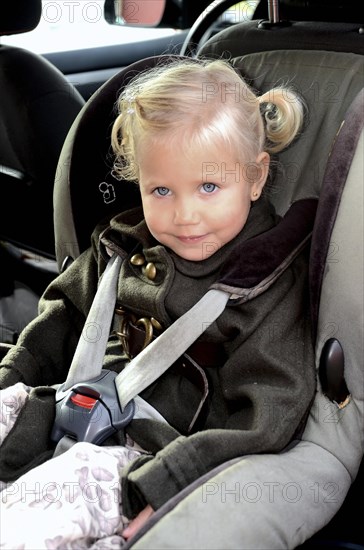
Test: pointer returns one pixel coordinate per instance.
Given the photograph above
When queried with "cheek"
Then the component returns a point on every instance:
(154, 215)
(236, 212)
(237, 208)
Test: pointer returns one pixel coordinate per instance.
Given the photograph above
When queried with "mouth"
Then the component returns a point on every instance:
(191, 239)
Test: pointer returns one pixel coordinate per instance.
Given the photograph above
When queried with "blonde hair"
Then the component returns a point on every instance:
(200, 103)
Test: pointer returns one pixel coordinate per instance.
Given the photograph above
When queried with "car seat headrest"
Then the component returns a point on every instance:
(19, 16)
(317, 10)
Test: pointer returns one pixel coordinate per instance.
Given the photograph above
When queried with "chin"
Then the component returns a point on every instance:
(193, 256)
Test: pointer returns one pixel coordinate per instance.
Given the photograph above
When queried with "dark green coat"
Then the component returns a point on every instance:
(258, 397)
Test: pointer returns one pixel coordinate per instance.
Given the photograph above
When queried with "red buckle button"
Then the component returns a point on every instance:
(83, 400)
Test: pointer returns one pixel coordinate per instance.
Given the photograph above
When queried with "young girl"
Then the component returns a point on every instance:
(197, 140)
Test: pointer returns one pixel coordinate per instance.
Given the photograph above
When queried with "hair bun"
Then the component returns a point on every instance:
(283, 113)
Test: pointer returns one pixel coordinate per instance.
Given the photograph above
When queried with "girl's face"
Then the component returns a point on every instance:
(196, 204)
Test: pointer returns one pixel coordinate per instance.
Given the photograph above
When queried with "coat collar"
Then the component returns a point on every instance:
(258, 262)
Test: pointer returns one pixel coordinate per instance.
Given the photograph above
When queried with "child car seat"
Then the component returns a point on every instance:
(263, 501)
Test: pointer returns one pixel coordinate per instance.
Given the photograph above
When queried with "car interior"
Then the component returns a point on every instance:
(56, 113)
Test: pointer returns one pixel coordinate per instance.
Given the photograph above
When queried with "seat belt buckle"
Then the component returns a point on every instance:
(90, 411)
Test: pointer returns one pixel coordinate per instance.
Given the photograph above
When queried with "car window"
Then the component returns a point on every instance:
(242, 11)
(84, 25)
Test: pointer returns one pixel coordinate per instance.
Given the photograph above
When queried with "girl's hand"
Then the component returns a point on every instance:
(137, 522)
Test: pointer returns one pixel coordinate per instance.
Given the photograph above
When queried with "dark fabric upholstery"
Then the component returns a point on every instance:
(37, 108)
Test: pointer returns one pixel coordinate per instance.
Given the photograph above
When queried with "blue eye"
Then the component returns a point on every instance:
(209, 187)
(161, 191)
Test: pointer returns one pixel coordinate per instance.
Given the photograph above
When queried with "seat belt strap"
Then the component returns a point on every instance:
(160, 354)
(89, 355)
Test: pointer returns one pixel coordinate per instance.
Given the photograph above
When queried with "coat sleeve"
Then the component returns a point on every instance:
(267, 384)
(45, 347)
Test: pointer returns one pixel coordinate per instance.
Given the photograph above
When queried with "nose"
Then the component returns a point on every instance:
(186, 212)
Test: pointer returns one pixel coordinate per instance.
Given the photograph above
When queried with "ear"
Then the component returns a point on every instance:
(262, 162)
